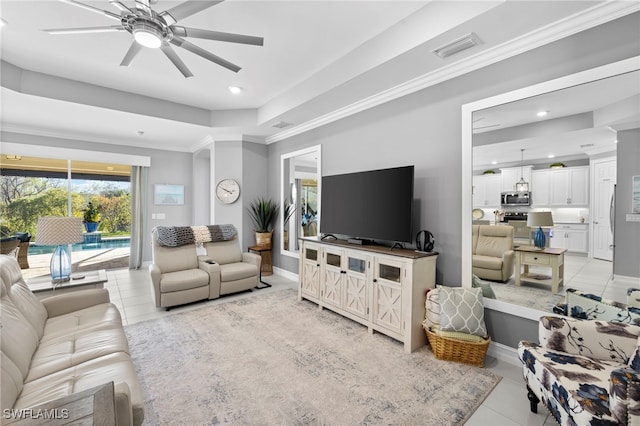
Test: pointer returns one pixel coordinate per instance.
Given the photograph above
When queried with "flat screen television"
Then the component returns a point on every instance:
(371, 205)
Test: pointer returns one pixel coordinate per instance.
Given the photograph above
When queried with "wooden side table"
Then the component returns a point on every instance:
(266, 266)
(549, 257)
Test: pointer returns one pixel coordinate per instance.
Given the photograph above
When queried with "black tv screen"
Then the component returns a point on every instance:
(375, 204)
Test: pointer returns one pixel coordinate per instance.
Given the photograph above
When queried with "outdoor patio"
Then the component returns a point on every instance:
(82, 260)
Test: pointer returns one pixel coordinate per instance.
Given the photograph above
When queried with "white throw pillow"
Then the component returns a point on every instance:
(461, 309)
(432, 308)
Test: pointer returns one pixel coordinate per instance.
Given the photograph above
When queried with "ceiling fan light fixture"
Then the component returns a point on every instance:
(147, 35)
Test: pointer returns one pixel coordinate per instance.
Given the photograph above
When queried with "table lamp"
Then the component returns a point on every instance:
(539, 219)
(60, 232)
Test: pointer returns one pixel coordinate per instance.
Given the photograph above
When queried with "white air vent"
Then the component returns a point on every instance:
(280, 124)
(458, 45)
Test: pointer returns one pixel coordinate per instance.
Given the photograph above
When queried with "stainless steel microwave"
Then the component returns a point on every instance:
(515, 199)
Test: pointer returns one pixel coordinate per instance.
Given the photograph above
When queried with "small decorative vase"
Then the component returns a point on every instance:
(539, 240)
(91, 226)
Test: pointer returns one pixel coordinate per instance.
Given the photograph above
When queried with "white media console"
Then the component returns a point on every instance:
(380, 287)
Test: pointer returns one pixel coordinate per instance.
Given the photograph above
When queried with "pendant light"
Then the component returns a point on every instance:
(522, 185)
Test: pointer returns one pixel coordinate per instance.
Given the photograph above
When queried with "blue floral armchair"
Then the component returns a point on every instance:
(586, 372)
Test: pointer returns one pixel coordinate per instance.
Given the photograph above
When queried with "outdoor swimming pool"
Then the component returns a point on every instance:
(106, 243)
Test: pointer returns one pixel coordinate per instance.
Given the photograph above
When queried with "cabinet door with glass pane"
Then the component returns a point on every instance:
(331, 279)
(387, 294)
(356, 272)
(310, 283)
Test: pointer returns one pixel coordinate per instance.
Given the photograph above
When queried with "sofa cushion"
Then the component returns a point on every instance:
(79, 346)
(116, 367)
(237, 271)
(487, 262)
(224, 252)
(98, 317)
(183, 280)
(11, 383)
(494, 240)
(18, 340)
(171, 259)
(30, 306)
(461, 309)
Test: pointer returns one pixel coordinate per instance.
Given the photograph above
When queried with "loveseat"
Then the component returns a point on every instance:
(179, 275)
(492, 252)
(63, 345)
(586, 372)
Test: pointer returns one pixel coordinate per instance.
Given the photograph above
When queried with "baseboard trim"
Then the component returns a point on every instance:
(504, 353)
(284, 273)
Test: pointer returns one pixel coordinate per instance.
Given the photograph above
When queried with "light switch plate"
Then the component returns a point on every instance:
(633, 217)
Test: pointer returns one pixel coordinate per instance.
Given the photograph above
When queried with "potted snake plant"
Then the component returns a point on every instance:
(263, 213)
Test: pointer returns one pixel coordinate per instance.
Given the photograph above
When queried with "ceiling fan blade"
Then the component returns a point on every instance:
(86, 30)
(173, 57)
(188, 8)
(131, 53)
(217, 35)
(120, 6)
(143, 5)
(207, 55)
(92, 9)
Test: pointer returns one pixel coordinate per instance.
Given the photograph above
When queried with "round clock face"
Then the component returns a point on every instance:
(227, 191)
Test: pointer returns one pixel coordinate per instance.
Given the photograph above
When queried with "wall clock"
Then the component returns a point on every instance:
(228, 191)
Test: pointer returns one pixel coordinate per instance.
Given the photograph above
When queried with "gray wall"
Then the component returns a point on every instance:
(424, 129)
(627, 250)
(254, 171)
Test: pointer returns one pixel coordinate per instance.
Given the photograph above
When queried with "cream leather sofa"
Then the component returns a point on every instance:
(179, 275)
(493, 256)
(63, 345)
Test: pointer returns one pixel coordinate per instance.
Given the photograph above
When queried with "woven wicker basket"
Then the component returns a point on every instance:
(449, 349)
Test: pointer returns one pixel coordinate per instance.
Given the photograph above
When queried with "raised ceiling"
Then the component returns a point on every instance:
(318, 57)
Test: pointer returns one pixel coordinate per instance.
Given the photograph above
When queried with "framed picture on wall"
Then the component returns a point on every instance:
(168, 195)
(635, 201)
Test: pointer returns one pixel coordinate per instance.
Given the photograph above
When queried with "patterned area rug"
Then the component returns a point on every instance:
(271, 359)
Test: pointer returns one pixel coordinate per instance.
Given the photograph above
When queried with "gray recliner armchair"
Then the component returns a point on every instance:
(238, 271)
(493, 256)
(178, 276)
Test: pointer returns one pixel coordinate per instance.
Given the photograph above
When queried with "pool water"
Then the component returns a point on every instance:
(106, 243)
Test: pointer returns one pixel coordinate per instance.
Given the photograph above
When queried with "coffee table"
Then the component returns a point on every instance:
(43, 287)
(548, 257)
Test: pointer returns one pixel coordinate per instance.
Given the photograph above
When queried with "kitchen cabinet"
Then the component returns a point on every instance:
(569, 187)
(573, 237)
(540, 187)
(381, 288)
(511, 175)
(486, 191)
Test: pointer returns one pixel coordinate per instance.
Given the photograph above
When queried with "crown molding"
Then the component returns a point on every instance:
(47, 133)
(586, 19)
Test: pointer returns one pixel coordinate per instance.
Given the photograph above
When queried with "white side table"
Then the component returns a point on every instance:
(42, 287)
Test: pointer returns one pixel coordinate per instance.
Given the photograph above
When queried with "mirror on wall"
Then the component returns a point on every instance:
(300, 197)
(560, 138)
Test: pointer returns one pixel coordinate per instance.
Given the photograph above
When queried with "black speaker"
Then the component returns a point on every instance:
(425, 241)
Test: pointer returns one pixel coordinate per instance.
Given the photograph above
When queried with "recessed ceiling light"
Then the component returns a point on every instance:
(494, 162)
(550, 156)
(542, 113)
(236, 90)
(2, 22)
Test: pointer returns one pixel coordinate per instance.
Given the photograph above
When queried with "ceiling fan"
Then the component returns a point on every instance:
(159, 30)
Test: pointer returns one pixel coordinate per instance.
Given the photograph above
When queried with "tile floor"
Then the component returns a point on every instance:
(506, 405)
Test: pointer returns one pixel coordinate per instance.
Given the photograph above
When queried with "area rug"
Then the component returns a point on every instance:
(271, 359)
